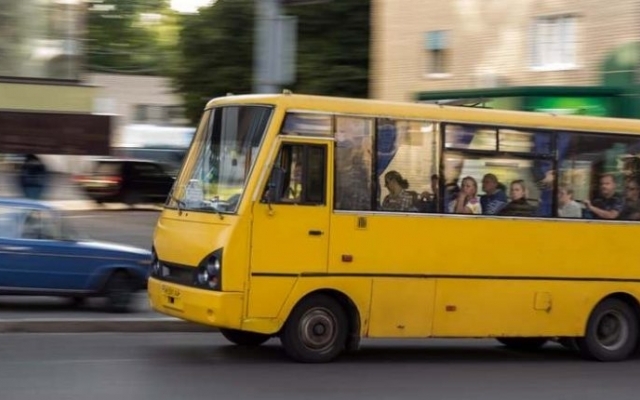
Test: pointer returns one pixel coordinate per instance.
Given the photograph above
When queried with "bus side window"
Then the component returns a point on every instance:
(298, 176)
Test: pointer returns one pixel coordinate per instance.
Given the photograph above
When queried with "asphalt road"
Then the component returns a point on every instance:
(202, 365)
(126, 227)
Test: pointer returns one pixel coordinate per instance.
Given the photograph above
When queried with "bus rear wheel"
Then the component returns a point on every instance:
(612, 332)
(316, 331)
(523, 343)
(244, 338)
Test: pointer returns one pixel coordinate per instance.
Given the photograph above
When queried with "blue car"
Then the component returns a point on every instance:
(42, 255)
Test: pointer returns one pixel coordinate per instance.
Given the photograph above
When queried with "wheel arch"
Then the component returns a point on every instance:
(625, 297)
(100, 278)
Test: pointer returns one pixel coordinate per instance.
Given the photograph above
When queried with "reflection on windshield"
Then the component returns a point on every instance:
(70, 232)
(220, 159)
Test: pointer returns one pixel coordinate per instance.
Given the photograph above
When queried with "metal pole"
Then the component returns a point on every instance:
(264, 50)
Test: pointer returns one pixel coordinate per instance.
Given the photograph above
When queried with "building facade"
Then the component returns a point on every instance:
(434, 46)
(45, 105)
(137, 100)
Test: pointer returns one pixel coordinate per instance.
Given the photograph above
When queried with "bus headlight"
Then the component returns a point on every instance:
(209, 273)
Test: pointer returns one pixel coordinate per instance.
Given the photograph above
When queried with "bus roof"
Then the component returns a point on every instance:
(434, 112)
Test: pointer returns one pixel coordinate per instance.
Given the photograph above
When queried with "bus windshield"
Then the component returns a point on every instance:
(220, 159)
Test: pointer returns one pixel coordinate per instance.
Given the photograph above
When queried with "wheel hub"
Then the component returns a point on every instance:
(318, 329)
(612, 330)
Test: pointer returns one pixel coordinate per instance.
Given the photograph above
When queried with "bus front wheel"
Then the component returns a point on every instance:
(316, 331)
(244, 338)
(612, 332)
(523, 343)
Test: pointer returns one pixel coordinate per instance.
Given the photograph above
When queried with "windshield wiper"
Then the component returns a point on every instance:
(215, 208)
(179, 203)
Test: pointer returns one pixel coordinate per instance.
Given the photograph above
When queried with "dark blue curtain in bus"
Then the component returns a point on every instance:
(543, 146)
(386, 149)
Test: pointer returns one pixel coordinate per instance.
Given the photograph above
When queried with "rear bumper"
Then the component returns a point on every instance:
(219, 309)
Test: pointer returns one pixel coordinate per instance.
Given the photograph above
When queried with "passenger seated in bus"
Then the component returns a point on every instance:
(631, 208)
(467, 201)
(567, 206)
(398, 199)
(608, 204)
(295, 187)
(518, 206)
(494, 198)
(428, 201)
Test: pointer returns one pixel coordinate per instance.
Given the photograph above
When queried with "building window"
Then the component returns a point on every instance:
(554, 42)
(437, 52)
(141, 113)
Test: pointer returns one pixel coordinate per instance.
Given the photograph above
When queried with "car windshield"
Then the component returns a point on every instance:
(220, 159)
(29, 223)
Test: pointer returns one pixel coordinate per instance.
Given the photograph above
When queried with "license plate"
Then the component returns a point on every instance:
(171, 291)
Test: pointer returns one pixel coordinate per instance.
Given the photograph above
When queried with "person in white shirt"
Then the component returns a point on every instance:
(467, 201)
(567, 206)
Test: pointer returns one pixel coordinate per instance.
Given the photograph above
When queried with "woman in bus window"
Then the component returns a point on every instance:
(398, 199)
(467, 201)
(518, 206)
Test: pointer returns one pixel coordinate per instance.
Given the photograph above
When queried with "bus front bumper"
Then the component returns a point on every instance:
(219, 309)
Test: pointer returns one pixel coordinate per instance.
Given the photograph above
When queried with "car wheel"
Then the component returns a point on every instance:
(244, 338)
(316, 331)
(131, 198)
(78, 301)
(119, 292)
(612, 332)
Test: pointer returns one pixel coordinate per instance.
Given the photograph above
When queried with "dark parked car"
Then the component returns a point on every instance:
(127, 181)
(42, 254)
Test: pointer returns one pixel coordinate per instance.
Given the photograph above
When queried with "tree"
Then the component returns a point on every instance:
(216, 54)
(130, 36)
(217, 51)
(333, 48)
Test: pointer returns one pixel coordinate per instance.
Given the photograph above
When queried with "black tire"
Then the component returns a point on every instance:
(244, 338)
(78, 301)
(523, 343)
(119, 292)
(316, 331)
(612, 332)
(131, 198)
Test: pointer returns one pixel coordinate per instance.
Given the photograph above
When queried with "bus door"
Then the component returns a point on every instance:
(290, 232)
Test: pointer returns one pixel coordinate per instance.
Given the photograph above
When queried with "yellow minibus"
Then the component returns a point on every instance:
(324, 220)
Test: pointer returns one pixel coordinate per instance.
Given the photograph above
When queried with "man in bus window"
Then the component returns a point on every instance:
(608, 204)
(567, 206)
(494, 198)
(631, 209)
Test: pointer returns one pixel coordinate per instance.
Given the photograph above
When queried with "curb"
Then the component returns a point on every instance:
(90, 205)
(102, 325)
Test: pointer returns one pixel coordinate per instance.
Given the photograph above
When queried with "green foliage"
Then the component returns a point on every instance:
(217, 51)
(121, 40)
(333, 49)
(217, 54)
